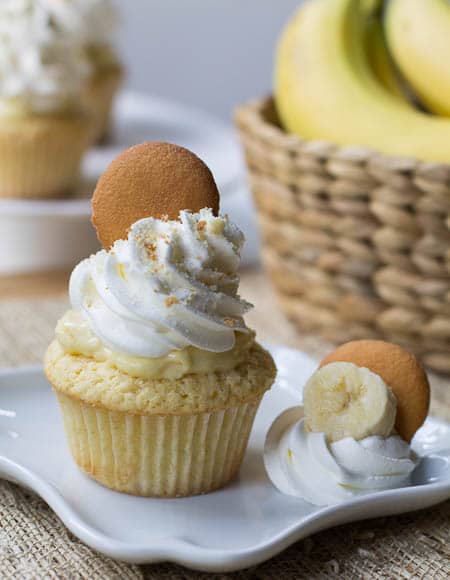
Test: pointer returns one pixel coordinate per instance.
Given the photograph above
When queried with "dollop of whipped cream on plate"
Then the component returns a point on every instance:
(42, 67)
(170, 285)
(304, 464)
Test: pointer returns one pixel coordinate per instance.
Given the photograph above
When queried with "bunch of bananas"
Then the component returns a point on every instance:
(367, 72)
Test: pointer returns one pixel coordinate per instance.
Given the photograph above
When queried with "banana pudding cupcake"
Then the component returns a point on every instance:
(43, 129)
(361, 409)
(93, 23)
(157, 376)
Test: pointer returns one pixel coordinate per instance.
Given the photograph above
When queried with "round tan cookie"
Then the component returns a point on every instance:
(400, 370)
(152, 179)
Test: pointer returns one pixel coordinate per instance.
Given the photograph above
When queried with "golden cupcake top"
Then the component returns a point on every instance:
(101, 383)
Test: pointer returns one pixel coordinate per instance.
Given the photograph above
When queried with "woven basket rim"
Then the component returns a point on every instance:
(254, 111)
(396, 217)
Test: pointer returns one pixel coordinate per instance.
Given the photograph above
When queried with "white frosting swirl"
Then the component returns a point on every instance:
(42, 68)
(170, 285)
(303, 464)
(92, 22)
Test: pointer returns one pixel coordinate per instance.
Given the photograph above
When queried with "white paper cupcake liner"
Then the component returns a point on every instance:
(156, 455)
(40, 157)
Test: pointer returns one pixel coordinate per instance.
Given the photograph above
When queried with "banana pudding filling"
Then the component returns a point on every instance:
(352, 439)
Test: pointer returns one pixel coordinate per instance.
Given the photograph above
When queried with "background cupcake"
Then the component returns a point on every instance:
(157, 375)
(44, 130)
(93, 23)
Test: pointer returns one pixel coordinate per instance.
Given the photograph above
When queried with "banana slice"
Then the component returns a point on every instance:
(344, 400)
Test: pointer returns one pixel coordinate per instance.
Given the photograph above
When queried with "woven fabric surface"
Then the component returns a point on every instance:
(34, 543)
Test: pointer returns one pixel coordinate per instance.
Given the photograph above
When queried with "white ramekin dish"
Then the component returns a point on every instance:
(44, 235)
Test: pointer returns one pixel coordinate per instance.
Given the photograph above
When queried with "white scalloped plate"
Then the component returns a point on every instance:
(242, 525)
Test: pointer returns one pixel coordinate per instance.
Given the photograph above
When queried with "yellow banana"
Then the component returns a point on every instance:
(326, 89)
(380, 60)
(344, 400)
(374, 44)
(418, 35)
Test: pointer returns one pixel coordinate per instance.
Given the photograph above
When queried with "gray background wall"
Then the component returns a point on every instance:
(209, 53)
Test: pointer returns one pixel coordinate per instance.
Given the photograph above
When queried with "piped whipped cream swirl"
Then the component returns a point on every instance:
(304, 464)
(92, 22)
(42, 67)
(170, 285)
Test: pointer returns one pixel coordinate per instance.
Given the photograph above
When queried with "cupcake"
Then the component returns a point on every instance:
(43, 129)
(157, 376)
(361, 409)
(93, 23)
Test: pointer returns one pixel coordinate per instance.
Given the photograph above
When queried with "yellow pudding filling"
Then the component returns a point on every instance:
(76, 338)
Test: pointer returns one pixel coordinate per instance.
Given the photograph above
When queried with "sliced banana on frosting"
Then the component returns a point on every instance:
(344, 400)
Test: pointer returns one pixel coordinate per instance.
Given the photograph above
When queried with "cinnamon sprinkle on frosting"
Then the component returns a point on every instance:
(171, 300)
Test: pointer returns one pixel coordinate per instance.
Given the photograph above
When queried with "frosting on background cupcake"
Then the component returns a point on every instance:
(92, 22)
(42, 68)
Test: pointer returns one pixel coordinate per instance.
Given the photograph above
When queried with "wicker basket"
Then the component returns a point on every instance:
(357, 244)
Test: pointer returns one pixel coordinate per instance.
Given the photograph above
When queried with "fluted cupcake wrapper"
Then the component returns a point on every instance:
(158, 455)
(40, 156)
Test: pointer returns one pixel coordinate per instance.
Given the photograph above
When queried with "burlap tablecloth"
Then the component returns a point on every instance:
(35, 544)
